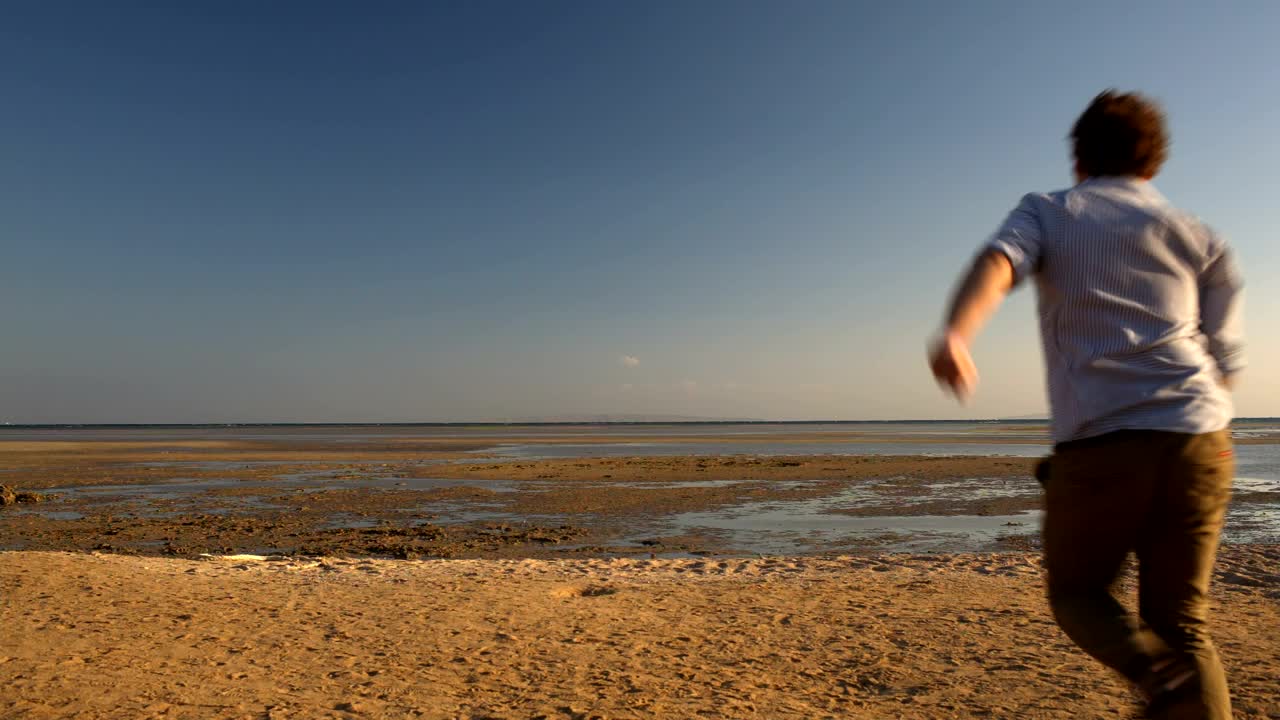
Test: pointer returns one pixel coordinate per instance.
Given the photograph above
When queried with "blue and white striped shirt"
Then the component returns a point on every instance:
(1140, 308)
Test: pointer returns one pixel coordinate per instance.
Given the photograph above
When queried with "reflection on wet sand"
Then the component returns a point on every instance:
(413, 498)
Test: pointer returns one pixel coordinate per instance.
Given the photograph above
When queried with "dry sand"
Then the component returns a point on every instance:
(896, 636)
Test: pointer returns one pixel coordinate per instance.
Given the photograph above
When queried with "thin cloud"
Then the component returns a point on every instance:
(629, 361)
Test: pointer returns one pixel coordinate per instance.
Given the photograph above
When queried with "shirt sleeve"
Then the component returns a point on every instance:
(1222, 309)
(1019, 239)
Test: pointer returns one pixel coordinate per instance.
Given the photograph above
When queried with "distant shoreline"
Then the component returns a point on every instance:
(548, 423)
(571, 423)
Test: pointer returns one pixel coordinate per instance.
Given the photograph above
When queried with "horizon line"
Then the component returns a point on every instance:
(531, 423)
(442, 423)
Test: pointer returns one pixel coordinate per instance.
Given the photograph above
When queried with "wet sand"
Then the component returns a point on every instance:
(901, 636)
(387, 505)
(308, 491)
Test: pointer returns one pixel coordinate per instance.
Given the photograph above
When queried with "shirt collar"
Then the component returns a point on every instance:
(1131, 184)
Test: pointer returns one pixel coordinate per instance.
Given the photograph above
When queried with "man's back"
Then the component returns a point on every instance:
(1137, 315)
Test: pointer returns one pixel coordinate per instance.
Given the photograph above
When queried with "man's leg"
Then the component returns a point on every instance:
(1095, 499)
(1176, 551)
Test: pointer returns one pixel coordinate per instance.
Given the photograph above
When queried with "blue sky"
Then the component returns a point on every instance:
(381, 211)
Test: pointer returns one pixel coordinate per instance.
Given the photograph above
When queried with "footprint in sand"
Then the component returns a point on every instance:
(589, 590)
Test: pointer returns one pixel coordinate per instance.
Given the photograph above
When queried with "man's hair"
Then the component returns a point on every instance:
(1120, 134)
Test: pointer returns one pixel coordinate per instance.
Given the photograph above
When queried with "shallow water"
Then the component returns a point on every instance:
(169, 499)
(356, 434)
(550, 451)
(780, 527)
(767, 526)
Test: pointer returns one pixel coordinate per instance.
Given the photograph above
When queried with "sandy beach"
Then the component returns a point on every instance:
(307, 577)
(935, 636)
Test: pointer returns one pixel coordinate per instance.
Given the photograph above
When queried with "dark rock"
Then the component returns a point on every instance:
(11, 496)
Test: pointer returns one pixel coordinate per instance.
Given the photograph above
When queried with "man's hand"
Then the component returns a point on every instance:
(952, 365)
(981, 291)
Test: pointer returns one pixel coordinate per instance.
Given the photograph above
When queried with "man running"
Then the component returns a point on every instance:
(1140, 321)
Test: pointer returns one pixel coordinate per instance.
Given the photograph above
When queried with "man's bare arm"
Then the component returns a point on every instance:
(975, 301)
